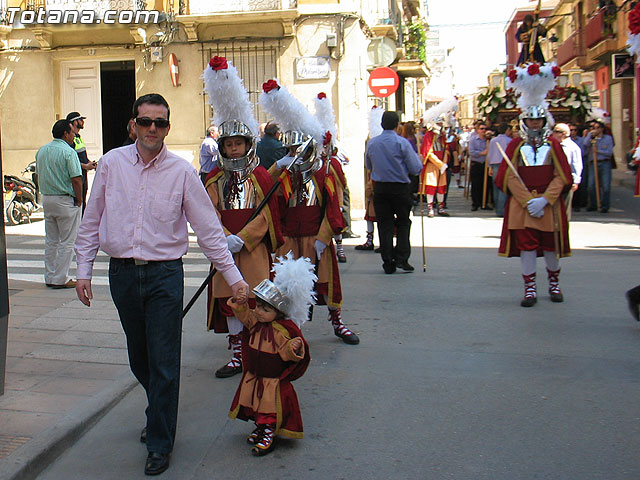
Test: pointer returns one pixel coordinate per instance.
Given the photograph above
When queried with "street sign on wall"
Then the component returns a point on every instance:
(383, 81)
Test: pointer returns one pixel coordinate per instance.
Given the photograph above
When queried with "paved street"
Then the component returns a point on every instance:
(452, 379)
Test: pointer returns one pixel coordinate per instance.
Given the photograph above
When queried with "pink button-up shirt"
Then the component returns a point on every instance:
(141, 211)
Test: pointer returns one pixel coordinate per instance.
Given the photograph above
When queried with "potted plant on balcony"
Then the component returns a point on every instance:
(415, 42)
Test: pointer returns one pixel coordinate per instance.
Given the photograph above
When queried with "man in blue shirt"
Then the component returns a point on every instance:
(391, 159)
(604, 153)
(478, 148)
(209, 152)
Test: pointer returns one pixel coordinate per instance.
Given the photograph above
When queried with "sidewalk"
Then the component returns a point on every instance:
(66, 366)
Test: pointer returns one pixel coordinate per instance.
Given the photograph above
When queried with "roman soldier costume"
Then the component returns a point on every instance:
(236, 187)
(375, 129)
(312, 197)
(435, 157)
(270, 360)
(534, 177)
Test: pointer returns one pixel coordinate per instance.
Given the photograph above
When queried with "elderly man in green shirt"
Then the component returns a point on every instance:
(60, 182)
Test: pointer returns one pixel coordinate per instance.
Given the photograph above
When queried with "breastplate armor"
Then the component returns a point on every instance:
(534, 157)
(237, 195)
(304, 193)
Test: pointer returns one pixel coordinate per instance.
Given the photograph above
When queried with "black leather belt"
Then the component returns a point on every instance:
(136, 261)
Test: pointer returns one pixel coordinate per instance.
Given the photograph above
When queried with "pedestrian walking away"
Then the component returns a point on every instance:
(391, 160)
(146, 236)
(60, 182)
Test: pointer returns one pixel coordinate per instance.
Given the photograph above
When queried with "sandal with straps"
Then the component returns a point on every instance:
(255, 436)
(266, 443)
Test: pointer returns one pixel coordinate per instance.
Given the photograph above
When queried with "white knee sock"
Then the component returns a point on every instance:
(552, 261)
(429, 198)
(528, 261)
(440, 197)
(234, 325)
(370, 226)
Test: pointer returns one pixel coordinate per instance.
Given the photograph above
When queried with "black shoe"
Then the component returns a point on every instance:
(228, 371)
(364, 246)
(341, 258)
(591, 209)
(156, 463)
(350, 235)
(348, 338)
(487, 208)
(389, 269)
(143, 435)
(556, 297)
(473, 209)
(633, 301)
(528, 301)
(405, 266)
(604, 210)
(377, 250)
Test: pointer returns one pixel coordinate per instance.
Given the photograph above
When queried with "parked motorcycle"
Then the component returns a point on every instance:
(21, 200)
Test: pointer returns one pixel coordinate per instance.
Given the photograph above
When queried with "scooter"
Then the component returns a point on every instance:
(22, 199)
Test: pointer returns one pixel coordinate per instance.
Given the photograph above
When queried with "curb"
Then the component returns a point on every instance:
(28, 461)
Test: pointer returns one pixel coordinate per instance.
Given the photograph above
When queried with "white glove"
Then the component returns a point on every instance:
(535, 206)
(443, 168)
(234, 243)
(319, 246)
(284, 162)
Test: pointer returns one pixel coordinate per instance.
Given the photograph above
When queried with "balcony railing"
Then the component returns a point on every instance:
(98, 6)
(203, 7)
(568, 50)
(600, 27)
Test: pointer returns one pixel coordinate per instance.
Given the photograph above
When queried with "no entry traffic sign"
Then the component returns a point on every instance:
(383, 81)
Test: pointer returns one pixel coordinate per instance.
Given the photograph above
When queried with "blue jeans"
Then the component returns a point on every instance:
(604, 180)
(499, 197)
(149, 302)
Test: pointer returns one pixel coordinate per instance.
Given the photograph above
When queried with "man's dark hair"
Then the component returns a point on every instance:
(271, 129)
(153, 99)
(390, 120)
(60, 128)
(503, 127)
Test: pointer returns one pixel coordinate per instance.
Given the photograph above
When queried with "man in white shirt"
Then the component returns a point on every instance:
(562, 133)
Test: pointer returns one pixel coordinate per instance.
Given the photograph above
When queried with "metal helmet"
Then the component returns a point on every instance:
(535, 137)
(293, 138)
(308, 162)
(267, 291)
(243, 165)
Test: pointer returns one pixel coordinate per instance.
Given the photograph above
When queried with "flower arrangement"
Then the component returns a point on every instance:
(539, 81)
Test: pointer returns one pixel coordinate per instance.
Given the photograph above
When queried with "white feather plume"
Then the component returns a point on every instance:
(533, 88)
(599, 114)
(325, 115)
(633, 45)
(228, 97)
(375, 121)
(287, 110)
(445, 106)
(294, 278)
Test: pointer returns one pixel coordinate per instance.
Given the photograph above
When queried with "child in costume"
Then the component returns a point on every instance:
(274, 352)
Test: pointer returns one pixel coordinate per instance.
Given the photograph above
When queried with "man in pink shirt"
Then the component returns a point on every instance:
(141, 200)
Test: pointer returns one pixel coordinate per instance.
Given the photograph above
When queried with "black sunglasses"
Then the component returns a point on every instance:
(146, 122)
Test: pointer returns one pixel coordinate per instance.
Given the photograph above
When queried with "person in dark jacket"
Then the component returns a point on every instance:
(270, 149)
